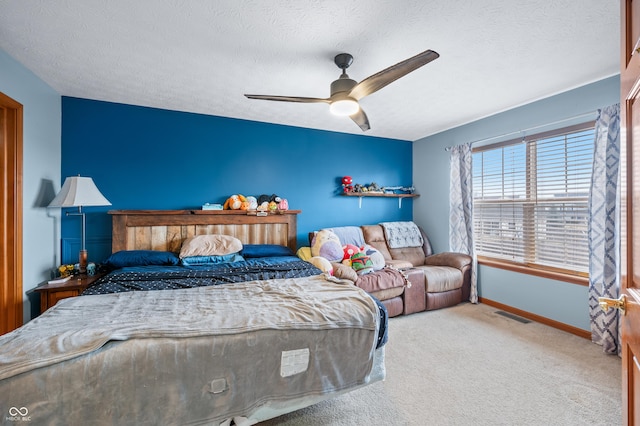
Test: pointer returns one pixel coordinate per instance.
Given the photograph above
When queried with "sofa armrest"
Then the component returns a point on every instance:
(455, 260)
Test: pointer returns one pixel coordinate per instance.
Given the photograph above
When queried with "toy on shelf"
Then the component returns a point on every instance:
(347, 184)
(234, 202)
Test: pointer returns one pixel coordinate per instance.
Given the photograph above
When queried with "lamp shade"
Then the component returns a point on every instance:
(79, 191)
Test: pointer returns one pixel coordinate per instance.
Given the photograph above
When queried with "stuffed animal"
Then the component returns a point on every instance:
(253, 202)
(234, 202)
(323, 264)
(283, 205)
(347, 184)
(304, 253)
(264, 200)
(376, 257)
(349, 250)
(361, 263)
(374, 187)
(327, 244)
(273, 206)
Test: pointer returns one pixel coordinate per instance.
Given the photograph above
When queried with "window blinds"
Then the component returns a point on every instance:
(531, 200)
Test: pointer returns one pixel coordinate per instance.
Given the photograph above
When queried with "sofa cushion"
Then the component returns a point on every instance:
(415, 255)
(374, 236)
(399, 264)
(441, 278)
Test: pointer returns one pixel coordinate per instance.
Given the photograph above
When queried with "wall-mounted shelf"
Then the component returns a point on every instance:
(361, 195)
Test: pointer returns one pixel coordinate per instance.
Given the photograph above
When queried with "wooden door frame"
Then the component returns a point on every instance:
(11, 160)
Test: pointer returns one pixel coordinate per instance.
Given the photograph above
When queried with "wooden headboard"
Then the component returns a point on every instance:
(165, 230)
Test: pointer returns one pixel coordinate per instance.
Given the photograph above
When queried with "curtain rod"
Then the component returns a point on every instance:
(586, 114)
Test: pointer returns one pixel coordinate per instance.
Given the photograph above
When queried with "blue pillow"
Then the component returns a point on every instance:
(124, 258)
(207, 260)
(265, 250)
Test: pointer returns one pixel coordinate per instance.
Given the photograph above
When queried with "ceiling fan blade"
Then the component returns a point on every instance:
(360, 118)
(287, 98)
(377, 81)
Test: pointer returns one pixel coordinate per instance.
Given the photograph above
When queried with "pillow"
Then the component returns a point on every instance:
(208, 260)
(265, 250)
(327, 244)
(124, 258)
(210, 245)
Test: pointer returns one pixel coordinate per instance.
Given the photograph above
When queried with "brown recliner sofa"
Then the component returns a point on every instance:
(414, 278)
(446, 276)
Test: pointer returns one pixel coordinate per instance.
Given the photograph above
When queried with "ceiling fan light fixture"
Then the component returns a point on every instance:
(344, 107)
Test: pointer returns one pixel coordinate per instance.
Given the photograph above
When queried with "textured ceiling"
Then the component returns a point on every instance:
(203, 56)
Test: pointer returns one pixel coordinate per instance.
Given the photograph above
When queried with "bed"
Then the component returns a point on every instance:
(235, 341)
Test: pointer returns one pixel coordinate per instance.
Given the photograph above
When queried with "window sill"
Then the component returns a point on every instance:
(554, 275)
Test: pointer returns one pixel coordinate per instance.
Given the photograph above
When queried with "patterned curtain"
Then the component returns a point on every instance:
(461, 209)
(604, 215)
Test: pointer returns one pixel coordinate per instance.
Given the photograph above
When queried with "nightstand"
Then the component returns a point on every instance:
(51, 293)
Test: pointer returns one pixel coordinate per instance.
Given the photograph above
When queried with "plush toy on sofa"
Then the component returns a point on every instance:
(327, 244)
(361, 263)
(376, 257)
(321, 263)
(349, 250)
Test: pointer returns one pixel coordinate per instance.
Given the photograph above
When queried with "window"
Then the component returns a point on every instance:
(531, 200)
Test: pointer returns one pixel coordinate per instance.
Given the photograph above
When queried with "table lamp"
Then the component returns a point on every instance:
(78, 192)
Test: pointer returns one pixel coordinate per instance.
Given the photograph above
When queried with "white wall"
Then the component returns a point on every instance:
(41, 169)
(559, 301)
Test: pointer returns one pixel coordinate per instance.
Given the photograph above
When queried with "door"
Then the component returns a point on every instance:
(10, 214)
(630, 242)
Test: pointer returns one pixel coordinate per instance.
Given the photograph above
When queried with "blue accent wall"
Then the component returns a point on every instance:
(147, 158)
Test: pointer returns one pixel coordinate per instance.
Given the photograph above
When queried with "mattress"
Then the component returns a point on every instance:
(245, 351)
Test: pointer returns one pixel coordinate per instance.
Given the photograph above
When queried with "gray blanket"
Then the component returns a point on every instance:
(402, 234)
(202, 355)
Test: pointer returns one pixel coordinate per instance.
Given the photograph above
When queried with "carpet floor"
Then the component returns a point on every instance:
(469, 365)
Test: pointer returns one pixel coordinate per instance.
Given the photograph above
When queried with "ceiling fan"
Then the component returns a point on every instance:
(345, 93)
